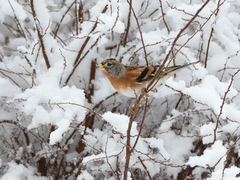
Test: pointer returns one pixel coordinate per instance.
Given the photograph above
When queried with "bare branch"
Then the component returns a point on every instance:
(163, 14)
(40, 36)
(140, 32)
(223, 102)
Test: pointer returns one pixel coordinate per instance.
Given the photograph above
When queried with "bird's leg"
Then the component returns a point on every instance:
(144, 92)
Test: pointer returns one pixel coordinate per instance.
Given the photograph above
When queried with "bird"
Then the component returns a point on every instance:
(130, 80)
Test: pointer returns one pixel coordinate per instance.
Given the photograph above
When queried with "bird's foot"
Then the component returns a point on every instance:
(133, 110)
(154, 90)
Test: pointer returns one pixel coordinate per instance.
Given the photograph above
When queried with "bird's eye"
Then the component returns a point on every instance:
(109, 64)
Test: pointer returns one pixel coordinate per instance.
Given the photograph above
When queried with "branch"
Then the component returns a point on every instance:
(58, 25)
(76, 65)
(76, 17)
(128, 24)
(40, 36)
(223, 102)
(115, 174)
(141, 126)
(229, 149)
(78, 60)
(17, 21)
(87, 39)
(140, 32)
(163, 14)
(210, 37)
(144, 166)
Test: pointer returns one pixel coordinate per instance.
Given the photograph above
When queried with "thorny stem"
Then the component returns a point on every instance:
(223, 102)
(128, 151)
(208, 45)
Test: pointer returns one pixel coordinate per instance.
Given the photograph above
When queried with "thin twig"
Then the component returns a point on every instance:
(208, 46)
(141, 126)
(74, 104)
(163, 14)
(80, 60)
(144, 166)
(76, 17)
(87, 39)
(128, 24)
(210, 37)
(223, 102)
(58, 25)
(17, 21)
(140, 32)
(40, 36)
(229, 149)
(115, 174)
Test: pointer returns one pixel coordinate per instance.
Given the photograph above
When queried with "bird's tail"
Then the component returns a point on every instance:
(185, 65)
(174, 69)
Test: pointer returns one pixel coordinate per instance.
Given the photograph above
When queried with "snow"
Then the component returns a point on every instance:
(82, 135)
(19, 172)
(5, 9)
(118, 27)
(42, 102)
(120, 122)
(210, 92)
(42, 15)
(207, 133)
(210, 156)
(7, 88)
(229, 174)
(85, 175)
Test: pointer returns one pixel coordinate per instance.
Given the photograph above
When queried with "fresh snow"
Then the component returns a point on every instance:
(52, 121)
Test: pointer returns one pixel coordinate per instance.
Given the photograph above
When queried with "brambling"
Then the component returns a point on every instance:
(130, 80)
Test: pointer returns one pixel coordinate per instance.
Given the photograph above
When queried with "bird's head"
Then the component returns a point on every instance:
(112, 67)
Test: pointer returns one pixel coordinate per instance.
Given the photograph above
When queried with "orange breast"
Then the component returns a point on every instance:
(126, 81)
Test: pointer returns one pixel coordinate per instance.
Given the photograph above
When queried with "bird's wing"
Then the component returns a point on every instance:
(141, 73)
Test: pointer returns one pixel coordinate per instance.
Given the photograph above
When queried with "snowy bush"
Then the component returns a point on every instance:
(62, 119)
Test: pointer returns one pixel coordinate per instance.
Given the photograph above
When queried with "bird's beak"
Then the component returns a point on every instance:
(100, 67)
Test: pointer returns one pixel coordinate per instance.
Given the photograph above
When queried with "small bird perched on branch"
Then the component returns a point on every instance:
(130, 80)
